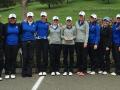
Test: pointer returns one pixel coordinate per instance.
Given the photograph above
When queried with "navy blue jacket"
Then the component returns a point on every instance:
(42, 29)
(105, 36)
(28, 31)
(94, 33)
(12, 34)
(116, 34)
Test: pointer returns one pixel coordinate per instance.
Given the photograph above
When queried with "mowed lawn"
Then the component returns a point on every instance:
(71, 9)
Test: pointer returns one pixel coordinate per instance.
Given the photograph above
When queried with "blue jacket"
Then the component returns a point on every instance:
(12, 34)
(42, 29)
(94, 33)
(28, 31)
(116, 34)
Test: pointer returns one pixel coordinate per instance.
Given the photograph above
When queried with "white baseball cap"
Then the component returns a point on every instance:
(118, 16)
(12, 15)
(94, 16)
(43, 13)
(30, 14)
(55, 18)
(106, 18)
(82, 13)
(69, 18)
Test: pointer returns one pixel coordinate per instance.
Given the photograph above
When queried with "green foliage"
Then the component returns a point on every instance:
(7, 3)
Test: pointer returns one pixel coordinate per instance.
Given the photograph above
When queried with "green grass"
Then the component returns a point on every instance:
(71, 9)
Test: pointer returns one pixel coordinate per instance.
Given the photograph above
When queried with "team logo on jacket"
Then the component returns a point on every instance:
(33, 25)
(16, 26)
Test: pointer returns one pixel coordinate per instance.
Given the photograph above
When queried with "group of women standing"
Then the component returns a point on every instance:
(86, 38)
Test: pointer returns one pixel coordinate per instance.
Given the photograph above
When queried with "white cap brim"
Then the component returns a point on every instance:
(43, 14)
(12, 16)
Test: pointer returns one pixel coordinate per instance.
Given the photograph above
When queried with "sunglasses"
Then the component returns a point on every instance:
(118, 17)
(56, 20)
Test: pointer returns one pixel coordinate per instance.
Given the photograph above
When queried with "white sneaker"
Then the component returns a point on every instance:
(93, 73)
(104, 73)
(1, 78)
(57, 73)
(88, 72)
(13, 76)
(113, 74)
(44, 73)
(100, 72)
(40, 74)
(70, 73)
(65, 73)
(53, 73)
(7, 76)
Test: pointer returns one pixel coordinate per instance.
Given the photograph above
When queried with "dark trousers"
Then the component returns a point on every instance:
(68, 50)
(104, 59)
(81, 53)
(28, 55)
(116, 57)
(55, 52)
(10, 59)
(1, 58)
(42, 55)
(93, 55)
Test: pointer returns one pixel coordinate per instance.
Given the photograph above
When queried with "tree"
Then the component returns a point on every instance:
(9, 3)
(24, 8)
(51, 2)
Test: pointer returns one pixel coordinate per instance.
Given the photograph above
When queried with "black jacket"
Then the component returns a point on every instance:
(105, 36)
(1, 32)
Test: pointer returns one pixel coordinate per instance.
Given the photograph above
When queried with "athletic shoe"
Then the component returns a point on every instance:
(93, 73)
(7, 76)
(113, 74)
(88, 72)
(100, 72)
(44, 73)
(13, 76)
(40, 74)
(53, 73)
(57, 73)
(70, 74)
(65, 73)
(81, 74)
(104, 73)
(78, 73)
(1, 78)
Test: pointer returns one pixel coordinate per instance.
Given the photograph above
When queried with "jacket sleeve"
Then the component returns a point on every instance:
(62, 32)
(87, 32)
(109, 37)
(74, 33)
(20, 33)
(4, 34)
(97, 39)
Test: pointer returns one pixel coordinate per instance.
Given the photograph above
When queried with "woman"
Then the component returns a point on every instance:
(55, 45)
(116, 45)
(93, 42)
(104, 46)
(68, 41)
(11, 33)
(1, 49)
(42, 27)
(81, 42)
(28, 31)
